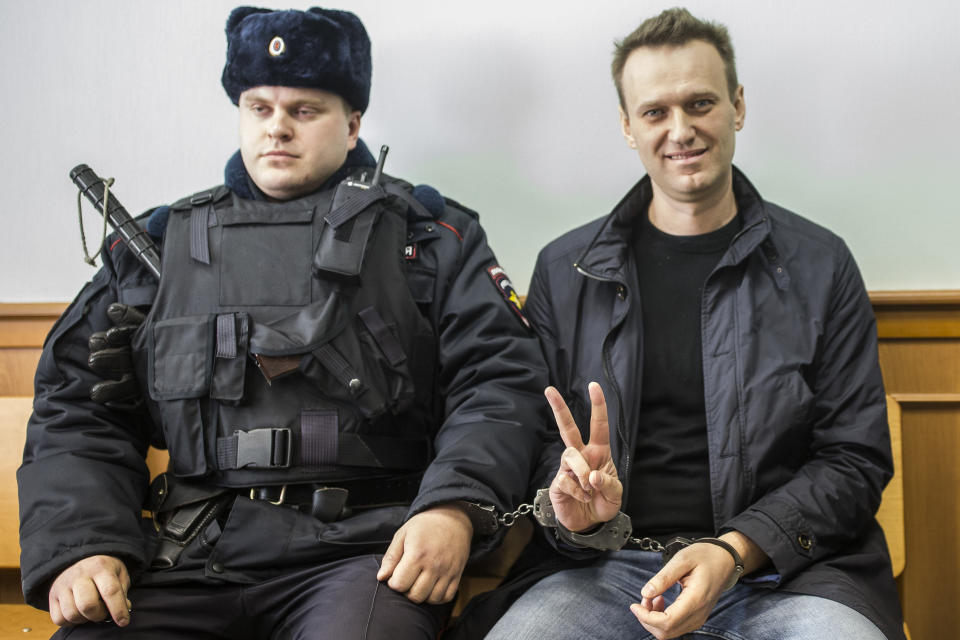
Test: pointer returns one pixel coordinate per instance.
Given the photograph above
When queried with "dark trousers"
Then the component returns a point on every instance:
(339, 600)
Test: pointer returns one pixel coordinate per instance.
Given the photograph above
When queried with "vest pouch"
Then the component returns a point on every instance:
(366, 366)
(386, 355)
(264, 255)
(346, 234)
(338, 370)
(180, 364)
(181, 357)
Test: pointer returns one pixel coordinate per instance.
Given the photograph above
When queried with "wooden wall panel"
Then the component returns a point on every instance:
(23, 328)
(16, 373)
(919, 335)
(930, 588)
(920, 366)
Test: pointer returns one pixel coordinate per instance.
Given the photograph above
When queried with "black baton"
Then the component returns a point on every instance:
(92, 186)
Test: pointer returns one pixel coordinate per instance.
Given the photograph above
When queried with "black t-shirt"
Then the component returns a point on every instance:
(670, 474)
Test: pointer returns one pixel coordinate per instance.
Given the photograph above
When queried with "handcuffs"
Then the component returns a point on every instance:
(612, 535)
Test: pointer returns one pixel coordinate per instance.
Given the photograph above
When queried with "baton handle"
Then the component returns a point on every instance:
(92, 186)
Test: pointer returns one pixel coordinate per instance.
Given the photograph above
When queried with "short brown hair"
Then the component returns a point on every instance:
(674, 27)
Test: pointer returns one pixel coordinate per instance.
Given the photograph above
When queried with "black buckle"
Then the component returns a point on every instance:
(263, 448)
(201, 198)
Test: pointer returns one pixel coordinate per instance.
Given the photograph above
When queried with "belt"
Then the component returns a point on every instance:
(331, 502)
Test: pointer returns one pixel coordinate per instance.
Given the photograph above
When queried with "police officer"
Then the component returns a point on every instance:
(334, 360)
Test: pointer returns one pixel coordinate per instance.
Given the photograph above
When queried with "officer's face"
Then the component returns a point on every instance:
(681, 118)
(292, 140)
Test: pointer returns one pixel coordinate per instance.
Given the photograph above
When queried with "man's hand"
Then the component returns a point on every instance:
(703, 570)
(586, 490)
(92, 590)
(428, 554)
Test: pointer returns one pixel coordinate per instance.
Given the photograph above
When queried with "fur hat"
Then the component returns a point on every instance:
(316, 49)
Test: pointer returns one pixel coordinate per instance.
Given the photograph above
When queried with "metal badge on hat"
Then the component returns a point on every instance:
(277, 46)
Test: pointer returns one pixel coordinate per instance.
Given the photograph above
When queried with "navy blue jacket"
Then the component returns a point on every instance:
(799, 448)
(83, 479)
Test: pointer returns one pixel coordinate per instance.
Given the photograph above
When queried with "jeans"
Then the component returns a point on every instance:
(593, 602)
(340, 599)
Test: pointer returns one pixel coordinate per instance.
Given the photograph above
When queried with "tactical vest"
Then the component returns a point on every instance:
(284, 344)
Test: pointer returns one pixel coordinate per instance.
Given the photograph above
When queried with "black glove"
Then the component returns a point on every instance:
(111, 357)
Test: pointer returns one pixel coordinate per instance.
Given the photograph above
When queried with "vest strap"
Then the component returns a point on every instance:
(357, 202)
(318, 430)
(226, 336)
(385, 339)
(420, 211)
(199, 236)
(391, 453)
(339, 368)
(269, 448)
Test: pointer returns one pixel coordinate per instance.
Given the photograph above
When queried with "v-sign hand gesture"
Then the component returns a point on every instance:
(586, 490)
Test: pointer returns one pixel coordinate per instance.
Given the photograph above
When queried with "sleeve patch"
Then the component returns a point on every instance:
(505, 287)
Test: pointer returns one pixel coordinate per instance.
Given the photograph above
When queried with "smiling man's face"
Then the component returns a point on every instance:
(292, 140)
(681, 118)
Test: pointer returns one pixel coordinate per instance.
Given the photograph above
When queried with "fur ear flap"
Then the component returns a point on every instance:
(238, 14)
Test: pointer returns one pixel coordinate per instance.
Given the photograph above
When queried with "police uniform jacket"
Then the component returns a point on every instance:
(84, 481)
(797, 433)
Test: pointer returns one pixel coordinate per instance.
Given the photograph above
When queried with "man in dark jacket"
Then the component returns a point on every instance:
(333, 359)
(733, 350)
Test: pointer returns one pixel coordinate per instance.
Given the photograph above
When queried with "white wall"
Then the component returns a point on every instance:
(504, 106)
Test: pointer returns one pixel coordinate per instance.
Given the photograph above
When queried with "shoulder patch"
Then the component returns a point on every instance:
(505, 287)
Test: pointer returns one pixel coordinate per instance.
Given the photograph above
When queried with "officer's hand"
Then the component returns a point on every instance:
(111, 357)
(586, 490)
(428, 554)
(91, 590)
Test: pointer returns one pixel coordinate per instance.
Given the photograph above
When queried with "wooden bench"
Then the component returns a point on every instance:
(17, 620)
(22, 329)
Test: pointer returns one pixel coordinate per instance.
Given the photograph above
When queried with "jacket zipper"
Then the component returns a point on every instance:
(611, 380)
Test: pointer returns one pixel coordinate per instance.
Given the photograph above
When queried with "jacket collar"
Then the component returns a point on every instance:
(236, 177)
(606, 255)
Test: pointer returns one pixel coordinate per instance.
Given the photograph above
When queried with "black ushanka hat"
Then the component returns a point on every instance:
(319, 48)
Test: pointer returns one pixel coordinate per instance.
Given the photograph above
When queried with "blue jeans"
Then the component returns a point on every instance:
(594, 602)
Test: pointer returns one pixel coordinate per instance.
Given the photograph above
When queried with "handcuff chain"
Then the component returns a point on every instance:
(509, 519)
(647, 544)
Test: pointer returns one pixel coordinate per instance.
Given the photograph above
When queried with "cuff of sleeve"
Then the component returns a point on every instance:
(786, 554)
